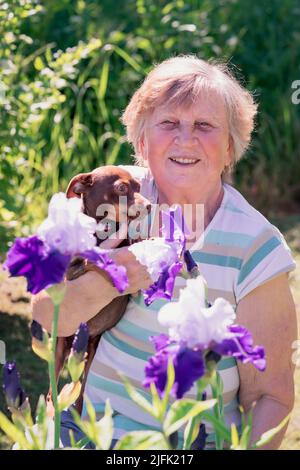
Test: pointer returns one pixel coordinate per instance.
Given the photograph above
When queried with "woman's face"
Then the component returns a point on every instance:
(185, 147)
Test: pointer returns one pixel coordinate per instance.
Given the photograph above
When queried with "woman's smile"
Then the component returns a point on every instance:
(184, 161)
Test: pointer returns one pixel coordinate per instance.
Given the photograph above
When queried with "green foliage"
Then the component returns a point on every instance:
(69, 67)
(99, 432)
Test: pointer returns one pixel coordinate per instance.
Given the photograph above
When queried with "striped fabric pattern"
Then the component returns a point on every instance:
(238, 251)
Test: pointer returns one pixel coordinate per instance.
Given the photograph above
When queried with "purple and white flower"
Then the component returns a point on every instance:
(162, 256)
(44, 258)
(188, 366)
(196, 331)
(240, 345)
(102, 260)
(67, 229)
(190, 321)
(33, 258)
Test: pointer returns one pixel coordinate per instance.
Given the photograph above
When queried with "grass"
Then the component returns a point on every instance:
(15, 321)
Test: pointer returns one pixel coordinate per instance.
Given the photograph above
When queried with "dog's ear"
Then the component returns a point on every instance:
(79, 185)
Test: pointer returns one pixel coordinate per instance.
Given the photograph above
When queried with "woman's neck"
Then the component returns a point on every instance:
(210, 201)
(198, 210)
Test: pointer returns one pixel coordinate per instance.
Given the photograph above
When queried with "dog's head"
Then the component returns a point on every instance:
(109, 193)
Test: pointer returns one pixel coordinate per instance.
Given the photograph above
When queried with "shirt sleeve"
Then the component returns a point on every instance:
(268, 256)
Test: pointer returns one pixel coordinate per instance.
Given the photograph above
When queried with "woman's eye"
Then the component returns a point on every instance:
(170, 123)
(203, 125)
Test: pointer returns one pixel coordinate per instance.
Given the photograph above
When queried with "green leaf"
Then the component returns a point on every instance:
(191, 432)
(72, 439)
(39, 64)
(138, 398)
(99, 432)
(90, 410)
(222, 430)
(156, 402)
(144, 43)
(245, 438)
(182, 411)
(82, 443)
(104, 428)
(142, 440)
(86, 427)
(113, 154)
(135, 65)
(41, 420)
(168, 388)
(234, 437)
(13, 432)
(267, 436)
(168, 8)
(103, 110)
(104, 79)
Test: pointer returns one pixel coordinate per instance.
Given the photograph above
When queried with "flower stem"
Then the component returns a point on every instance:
(201, 384)
(53, 382)
(218, 408)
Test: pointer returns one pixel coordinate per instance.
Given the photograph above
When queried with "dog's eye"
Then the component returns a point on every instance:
(122, 188)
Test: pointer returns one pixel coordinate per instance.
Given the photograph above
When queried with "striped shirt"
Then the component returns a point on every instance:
(238, 251)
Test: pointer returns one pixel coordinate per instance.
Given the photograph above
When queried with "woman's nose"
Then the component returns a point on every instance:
(186, 135)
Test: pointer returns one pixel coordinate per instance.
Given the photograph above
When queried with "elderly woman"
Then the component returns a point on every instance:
(189, 123)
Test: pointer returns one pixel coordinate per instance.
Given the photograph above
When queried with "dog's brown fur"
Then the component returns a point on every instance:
(104, 185)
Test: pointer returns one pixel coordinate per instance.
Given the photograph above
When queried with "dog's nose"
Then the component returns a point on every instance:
(148, 208)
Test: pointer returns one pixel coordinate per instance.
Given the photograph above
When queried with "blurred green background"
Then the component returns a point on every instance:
(69, 67)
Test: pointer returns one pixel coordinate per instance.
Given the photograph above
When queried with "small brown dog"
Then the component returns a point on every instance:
(103, 186)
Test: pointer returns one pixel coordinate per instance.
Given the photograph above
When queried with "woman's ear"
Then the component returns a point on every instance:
(79, 185)
(229, 153)
(142, 149)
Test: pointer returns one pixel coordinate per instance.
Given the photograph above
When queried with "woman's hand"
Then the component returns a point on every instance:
(88, 294)
(137, 274)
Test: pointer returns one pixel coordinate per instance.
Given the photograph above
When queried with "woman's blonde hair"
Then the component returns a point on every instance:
(179, 81)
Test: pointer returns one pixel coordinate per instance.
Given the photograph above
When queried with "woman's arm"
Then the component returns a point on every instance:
(269, 313)
(84, 297)
(88, 294)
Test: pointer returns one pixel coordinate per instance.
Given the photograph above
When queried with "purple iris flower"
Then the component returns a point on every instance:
(241, 347)
(32, 258)
(14, 394)
(188, 366)
(163, 288)
(66, 232)
(81, 339)
(174, 231)
(101, 259)
(36, 330)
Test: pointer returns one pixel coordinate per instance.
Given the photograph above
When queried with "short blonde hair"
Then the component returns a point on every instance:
(179, 81)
